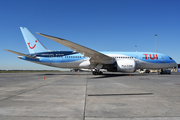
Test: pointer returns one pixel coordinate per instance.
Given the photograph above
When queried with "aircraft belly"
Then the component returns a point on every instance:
(147, 65)
(61, 64)
(73, 64)
(65, 64)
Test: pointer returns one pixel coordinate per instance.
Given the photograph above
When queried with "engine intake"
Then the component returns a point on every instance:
(126, 65)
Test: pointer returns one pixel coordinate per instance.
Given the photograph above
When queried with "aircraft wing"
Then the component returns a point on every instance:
(21, 54)
(95, 56)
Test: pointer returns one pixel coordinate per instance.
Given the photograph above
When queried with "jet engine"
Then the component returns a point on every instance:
(85, 64)
(126, 65)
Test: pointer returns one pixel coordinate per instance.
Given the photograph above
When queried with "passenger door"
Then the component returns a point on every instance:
(162, 58)
(51, 57)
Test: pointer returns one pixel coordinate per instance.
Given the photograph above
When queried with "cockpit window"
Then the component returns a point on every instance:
(170, 58)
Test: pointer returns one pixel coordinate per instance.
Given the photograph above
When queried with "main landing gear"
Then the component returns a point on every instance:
(97, 72)
(164, 71)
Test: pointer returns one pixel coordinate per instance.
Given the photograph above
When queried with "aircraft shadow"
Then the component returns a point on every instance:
(109, 75)
(105, 75)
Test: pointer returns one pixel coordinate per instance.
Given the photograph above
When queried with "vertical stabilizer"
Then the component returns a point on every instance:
(33, 45)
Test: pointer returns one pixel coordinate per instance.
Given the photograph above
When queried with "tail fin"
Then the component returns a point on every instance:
(33, 45)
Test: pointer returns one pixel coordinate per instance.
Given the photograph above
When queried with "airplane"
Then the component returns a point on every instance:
(85, 58)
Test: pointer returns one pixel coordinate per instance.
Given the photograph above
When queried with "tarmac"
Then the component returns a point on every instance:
(83, 96)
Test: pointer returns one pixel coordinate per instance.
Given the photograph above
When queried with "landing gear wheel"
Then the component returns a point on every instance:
(94, 73)
(162, 72)
(100, 73)
(97, 73)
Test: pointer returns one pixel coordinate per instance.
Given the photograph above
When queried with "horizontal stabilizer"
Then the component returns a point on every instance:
(21, 54)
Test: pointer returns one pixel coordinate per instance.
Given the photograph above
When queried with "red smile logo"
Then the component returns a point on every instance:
(33, 46)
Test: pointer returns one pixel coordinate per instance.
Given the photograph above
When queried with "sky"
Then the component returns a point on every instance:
(102, 25)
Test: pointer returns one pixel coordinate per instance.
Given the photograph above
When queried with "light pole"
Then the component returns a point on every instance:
(135, 48)
(156, 41)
